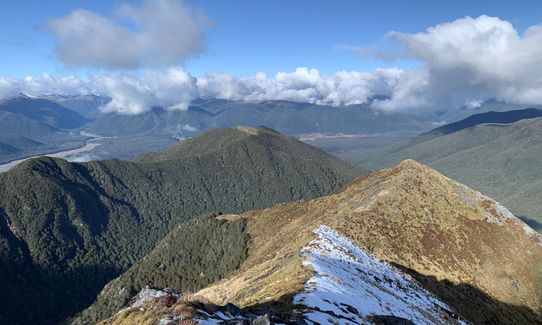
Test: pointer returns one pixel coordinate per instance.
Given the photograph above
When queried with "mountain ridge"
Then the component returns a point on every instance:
(453, 241)
(506, 117)
(33, 126)
(93, 220)
(44, 111)
(498, 159)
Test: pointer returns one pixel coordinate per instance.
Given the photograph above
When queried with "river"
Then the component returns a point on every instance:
(90, 144)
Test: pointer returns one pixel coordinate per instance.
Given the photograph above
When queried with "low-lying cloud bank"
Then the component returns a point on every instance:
(462, 63)
(174, 88)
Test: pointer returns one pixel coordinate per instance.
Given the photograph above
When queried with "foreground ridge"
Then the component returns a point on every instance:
(405, 244)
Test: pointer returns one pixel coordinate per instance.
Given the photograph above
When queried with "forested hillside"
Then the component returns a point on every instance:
(75, 226)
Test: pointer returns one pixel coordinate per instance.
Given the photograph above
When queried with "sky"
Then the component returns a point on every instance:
(326, 52)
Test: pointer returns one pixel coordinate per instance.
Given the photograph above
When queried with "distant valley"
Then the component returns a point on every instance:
(496, 153)
(36, 126)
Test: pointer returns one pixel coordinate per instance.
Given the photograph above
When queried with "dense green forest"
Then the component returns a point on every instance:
(69, 228)
(193, 255)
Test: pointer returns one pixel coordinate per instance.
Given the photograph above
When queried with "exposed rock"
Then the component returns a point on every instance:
(166, 297)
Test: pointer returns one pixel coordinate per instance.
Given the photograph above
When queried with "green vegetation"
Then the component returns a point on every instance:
(193, 255)
(30, 126)
(44, 111)
(76, 226)
(502, 161)
(459, 244)
(286, 117)
(506, 117)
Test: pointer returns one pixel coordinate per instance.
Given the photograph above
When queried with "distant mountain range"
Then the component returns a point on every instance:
(498, 153)
(85, 105)
(404, 245)
(66, 229)
(159, 128)
(44, 111)
(54, 123)
(286, 117)
(30, 126)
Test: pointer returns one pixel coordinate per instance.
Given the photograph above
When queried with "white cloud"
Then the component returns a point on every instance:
(44, 85)
(156, 33)
(467, 61)
(8, 88)
(137, 93)
(302, 85)
(462, 64)
(47, 84)
(189, 128)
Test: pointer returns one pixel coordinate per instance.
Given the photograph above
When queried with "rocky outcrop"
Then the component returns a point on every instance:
(166, 297)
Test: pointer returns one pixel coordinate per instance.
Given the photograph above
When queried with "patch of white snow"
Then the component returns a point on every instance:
(350, 286)
(147, 294)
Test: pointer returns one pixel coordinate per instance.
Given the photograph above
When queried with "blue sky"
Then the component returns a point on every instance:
(440, 54)
(252, 36)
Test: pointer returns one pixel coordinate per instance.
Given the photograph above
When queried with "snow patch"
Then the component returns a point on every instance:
(147, 294)
(229, 318)
(350, 286)
(504, 214)
(532, 233)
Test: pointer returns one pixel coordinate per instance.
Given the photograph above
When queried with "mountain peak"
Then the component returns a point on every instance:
(424, 222)
(411, 165)
(249, 142)
(405, 222)
(413, 186)
(248, 130)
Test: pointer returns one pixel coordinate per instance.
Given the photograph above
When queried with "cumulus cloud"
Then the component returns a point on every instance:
(8, 88)
(462, 64)
(137, 93)
(174, 88)
(302, 85)
(468, 61)
(155, 33)
(43, 85)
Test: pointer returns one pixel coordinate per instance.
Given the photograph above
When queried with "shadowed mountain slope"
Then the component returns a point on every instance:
(82, 224)
(44, 111)
(506, 117)
(32, 126)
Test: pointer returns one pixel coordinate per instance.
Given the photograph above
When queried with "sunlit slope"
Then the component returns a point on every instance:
(402, 232)
(500, 160)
